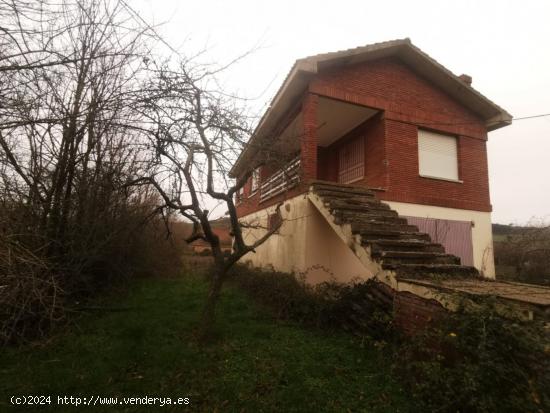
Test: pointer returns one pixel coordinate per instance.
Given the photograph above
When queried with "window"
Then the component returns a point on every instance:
(273, 221)
(351, 161)
(437, 155)
(255, 181)
(240, 194)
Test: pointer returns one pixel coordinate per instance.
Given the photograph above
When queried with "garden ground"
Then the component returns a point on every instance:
(139, 342)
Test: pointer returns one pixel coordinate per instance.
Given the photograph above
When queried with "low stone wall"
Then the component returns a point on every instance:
(412, 313)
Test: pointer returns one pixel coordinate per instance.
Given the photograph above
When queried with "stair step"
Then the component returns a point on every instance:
(349, 206)
(406, 270)
(403, 245)
(354, 200)
(382, 226)
(328, 193)
(444, 260)
(371, 219)
(335, 187)
(357, 200)
(411, 254)
(371, 213)
(374, 234)
(397, 245)
(416, 257)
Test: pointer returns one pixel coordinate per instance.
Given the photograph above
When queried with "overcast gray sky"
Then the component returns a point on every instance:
(503, 45)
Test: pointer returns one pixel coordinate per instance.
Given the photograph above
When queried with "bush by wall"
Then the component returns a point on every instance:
(477, 361)
(360, 309)
(472, 361)
(39, 283)
(522, 254)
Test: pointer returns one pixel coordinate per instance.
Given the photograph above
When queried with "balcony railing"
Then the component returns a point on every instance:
(281, 181)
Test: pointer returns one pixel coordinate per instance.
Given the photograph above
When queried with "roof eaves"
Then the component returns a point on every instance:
(310, 65)
(300, 68)
(307, 65)
(504, 118)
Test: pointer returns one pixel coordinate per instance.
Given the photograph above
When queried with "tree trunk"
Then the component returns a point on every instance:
(209, 310)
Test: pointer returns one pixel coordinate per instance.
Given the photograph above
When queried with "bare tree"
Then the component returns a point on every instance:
(69, 71)
(91, 121)
(197, 131)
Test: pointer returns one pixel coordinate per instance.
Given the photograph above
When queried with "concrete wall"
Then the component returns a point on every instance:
(305, 245)
(482, 235)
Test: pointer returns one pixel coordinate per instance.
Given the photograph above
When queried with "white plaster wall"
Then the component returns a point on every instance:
(306, 244)
(482, 234)
(327, 250)
(284, 251)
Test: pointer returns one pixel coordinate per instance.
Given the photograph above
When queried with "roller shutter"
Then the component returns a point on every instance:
(437, 155)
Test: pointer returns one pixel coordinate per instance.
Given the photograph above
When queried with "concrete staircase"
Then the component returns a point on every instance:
(386, 237)
(424, 281)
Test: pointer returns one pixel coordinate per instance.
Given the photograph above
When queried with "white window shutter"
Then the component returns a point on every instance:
(437, 155)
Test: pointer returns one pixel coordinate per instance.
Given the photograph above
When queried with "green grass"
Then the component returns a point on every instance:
(255, 365)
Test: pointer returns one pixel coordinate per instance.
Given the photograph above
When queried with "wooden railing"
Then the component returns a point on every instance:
(281, 181)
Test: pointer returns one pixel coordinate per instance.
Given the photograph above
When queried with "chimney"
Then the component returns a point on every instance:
(466, 79)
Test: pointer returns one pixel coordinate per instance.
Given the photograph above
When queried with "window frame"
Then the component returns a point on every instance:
(352, 147)
(457, 146)
(240, 195)
(255, 182)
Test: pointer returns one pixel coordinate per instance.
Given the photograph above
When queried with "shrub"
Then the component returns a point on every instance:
(477, 361)
(359, 308)
(473, 361)
(31, 297)
(523, 254)
(38, 286)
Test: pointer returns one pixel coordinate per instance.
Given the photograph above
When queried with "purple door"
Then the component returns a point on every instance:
(455, 236)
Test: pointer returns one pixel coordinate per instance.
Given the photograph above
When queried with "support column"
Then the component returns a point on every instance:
(309, 138)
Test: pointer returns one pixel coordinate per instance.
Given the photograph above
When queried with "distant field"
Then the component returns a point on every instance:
(500, 237)
(143, 346)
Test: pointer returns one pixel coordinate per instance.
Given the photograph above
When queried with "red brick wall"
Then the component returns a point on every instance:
(307, 105)
(409, 101)
(252, 204)
(327, 164)
(376, 173)
(308, 144)
(412, 314)
(406, 101)
(405, 184)
(375, 170)
(390, 85)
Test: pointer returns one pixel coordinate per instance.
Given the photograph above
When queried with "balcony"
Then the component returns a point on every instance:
(281, 181)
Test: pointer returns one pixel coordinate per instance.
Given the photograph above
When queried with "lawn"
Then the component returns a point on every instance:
(143, 345)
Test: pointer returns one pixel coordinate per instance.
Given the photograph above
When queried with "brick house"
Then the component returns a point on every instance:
(385, 168)
(222, 228)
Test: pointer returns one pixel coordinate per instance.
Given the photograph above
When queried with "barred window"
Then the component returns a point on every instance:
(351, 161)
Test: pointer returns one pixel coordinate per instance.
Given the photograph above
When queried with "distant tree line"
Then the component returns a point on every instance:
(522, 253)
